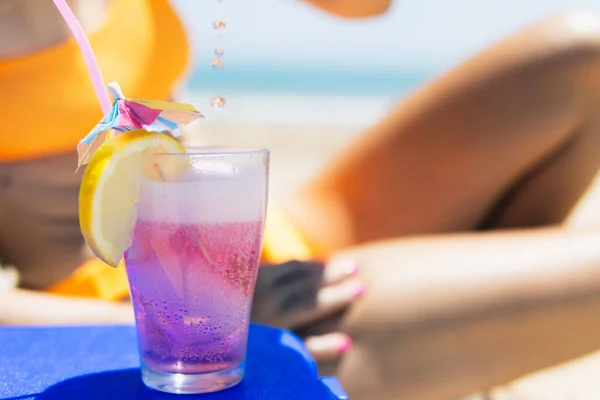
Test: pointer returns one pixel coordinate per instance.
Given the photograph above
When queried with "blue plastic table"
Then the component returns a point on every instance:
(101, 363)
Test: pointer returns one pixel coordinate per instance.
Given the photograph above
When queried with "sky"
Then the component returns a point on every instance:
(413, 34)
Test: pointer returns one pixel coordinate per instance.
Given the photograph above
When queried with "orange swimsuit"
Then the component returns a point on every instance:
(144, 47)
(49, 96)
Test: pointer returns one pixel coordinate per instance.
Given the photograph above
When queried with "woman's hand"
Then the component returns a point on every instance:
(353, 8)
(297, 294)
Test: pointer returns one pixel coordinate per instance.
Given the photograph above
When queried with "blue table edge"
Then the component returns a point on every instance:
(295, 342)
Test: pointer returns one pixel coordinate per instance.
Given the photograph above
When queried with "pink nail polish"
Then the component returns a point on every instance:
(359, 291)
(345, 345)
(346, 266)
(352, 268)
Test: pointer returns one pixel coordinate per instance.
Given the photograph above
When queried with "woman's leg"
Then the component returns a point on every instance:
(509, 139)
(444, 316)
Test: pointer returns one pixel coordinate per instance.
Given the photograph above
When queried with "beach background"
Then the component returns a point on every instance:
(305, 84)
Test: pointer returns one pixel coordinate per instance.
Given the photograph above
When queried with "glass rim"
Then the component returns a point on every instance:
(219, 151)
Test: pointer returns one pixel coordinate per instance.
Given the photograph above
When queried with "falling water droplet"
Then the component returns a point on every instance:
(219, 52)
(219, 25)
(217, 63)
(217, 102)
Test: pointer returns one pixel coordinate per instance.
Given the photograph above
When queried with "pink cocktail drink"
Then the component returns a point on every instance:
(192, 294)
(192, 268)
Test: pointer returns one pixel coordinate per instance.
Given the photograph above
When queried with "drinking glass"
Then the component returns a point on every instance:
(192, 266)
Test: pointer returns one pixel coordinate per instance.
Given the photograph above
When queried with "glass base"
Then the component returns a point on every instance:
(177, 383)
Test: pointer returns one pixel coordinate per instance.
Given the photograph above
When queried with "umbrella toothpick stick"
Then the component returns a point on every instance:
(122, 114)
(115, 91)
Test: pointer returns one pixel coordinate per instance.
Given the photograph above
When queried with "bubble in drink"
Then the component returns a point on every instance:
(219, 25)
(218, 52)
(217, 102)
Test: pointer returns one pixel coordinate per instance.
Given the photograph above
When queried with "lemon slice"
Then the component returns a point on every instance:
(109, 189)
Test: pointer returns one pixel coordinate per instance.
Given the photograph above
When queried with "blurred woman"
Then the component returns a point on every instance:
(453, 208)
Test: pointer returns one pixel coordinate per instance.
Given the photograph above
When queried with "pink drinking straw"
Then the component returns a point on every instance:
(88, 54)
